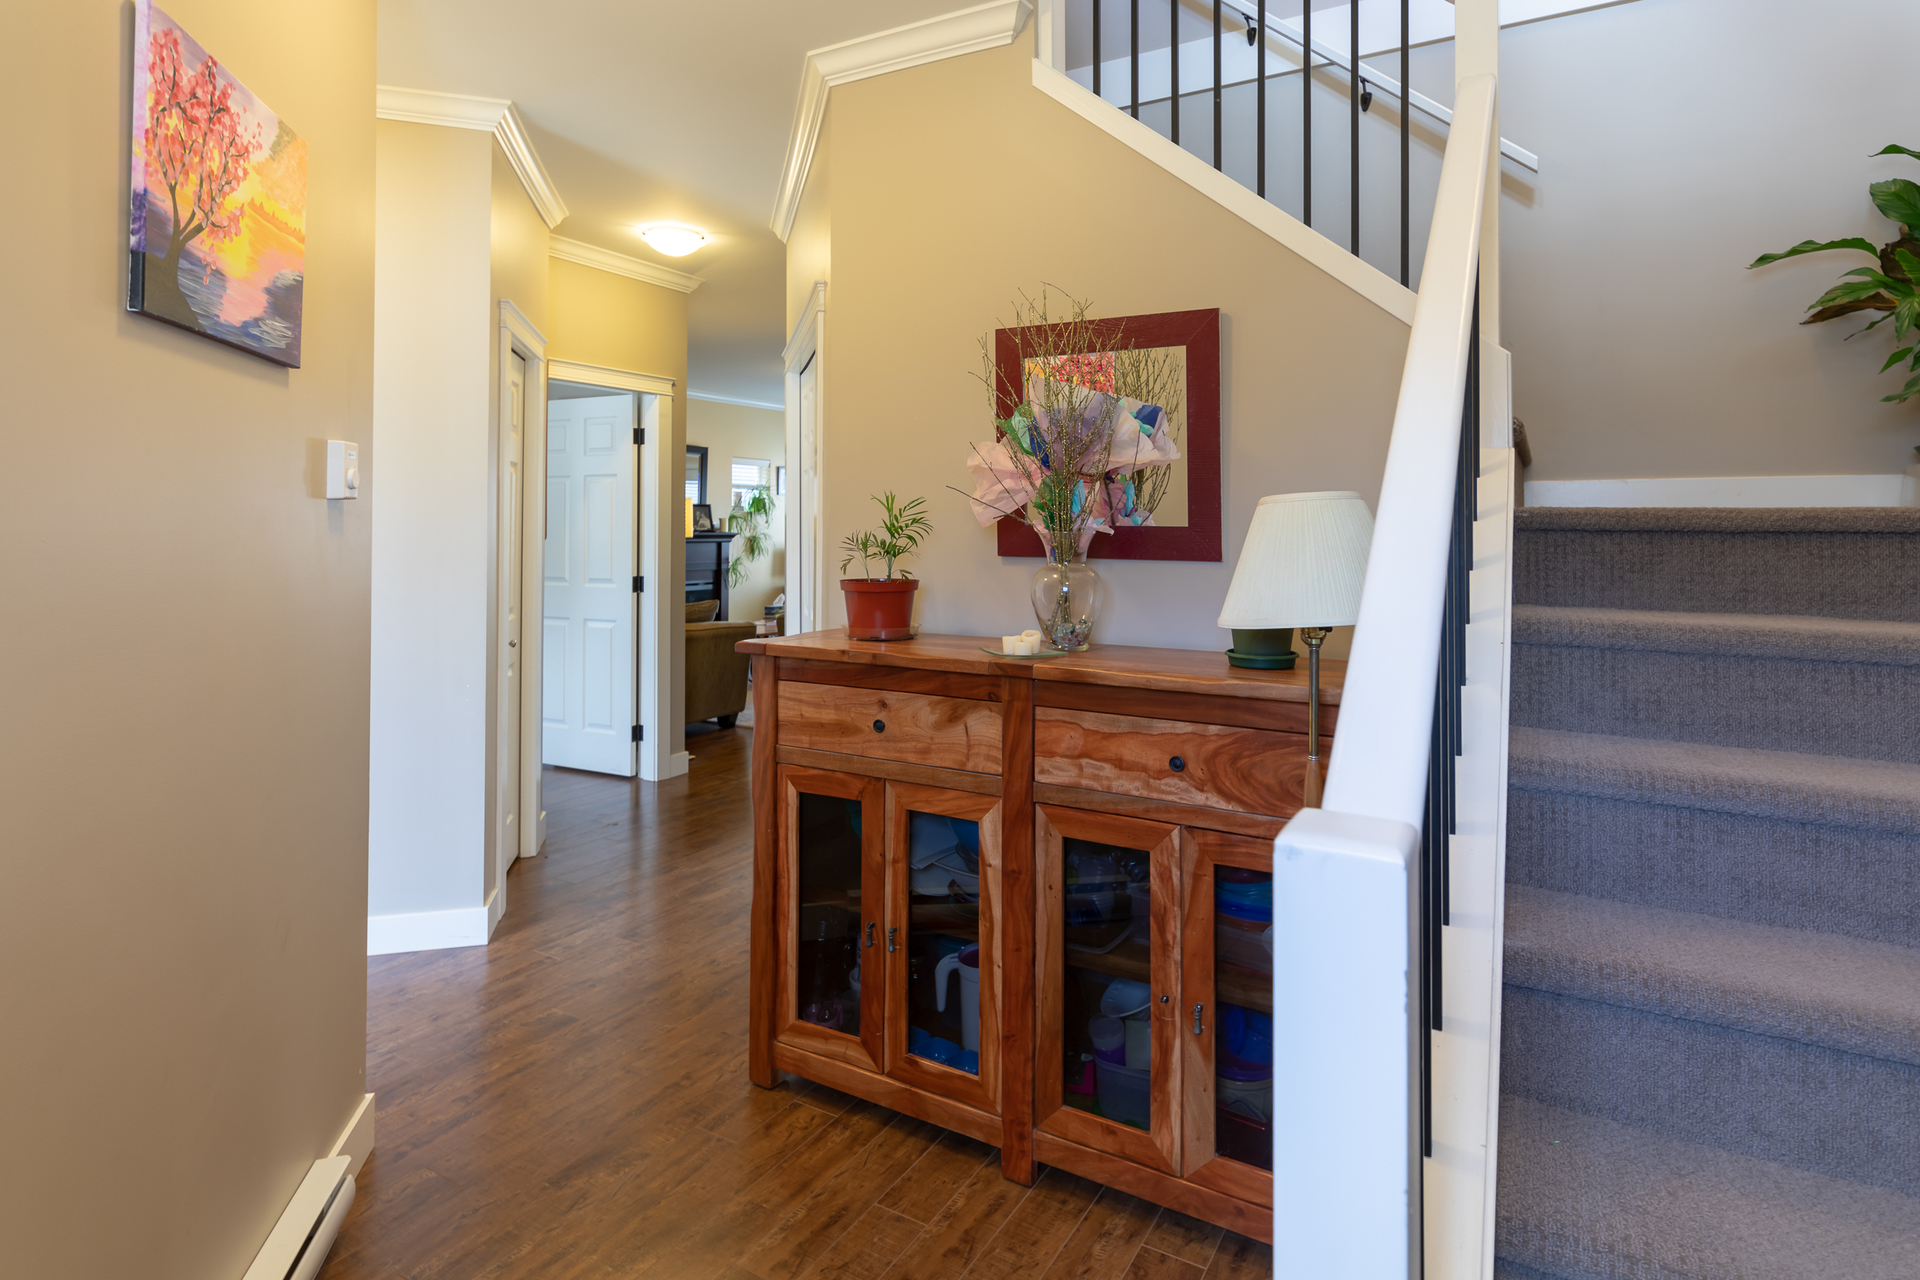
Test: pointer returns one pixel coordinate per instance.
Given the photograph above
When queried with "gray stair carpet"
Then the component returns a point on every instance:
(1831, 686)
(1710, 1057)
(1845, 562)
(1774, 837)
(1584, 1198)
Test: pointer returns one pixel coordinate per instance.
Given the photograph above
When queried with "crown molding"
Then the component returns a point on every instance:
(592, 255)
(497, 116)
(985, 26)
(749, 404)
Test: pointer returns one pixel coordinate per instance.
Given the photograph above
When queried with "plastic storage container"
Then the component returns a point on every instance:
(1109, 1040)
(1126, 1095)
(1246, 1090)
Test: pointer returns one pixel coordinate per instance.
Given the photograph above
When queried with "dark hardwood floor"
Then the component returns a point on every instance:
(572, 1100)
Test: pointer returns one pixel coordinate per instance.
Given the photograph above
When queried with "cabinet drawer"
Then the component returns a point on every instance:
(1247, 770)
(919, 728)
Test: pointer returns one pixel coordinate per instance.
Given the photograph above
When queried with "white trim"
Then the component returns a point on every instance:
(356, 1140)
(749, 404)
(297, 1246)
(985, 26)
(660, 499)
(595, 375)
(426, 930)
(675, 766)
(518, 333)
(1894, 490)
(1369, 282)
(497, 116)
(807, 342)
(592, 255)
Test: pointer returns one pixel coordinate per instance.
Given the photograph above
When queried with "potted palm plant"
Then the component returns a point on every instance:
(882, 608)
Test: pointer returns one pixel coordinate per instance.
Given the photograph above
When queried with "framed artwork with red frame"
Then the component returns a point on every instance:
(1197, 335)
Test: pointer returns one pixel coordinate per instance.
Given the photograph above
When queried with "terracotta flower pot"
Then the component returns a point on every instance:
(879, 608)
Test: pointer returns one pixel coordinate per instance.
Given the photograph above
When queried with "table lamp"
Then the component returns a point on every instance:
(1302, 566)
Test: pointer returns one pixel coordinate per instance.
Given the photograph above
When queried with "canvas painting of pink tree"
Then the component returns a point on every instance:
(218, 231)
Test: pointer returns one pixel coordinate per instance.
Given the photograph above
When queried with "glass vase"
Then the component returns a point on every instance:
(1066, 599)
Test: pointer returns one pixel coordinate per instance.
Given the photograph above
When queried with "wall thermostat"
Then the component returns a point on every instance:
(343, 469)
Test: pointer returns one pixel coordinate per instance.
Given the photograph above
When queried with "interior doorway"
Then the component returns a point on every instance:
(590, 705)
(611, 503)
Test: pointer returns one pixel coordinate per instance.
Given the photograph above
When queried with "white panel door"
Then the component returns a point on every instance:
(513, 515)
(587, 675)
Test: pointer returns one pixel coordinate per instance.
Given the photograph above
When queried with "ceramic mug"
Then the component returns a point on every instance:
(967, 963)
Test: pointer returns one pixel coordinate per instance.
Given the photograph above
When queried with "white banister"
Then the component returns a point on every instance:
(1349, 1197)
(1379, 766)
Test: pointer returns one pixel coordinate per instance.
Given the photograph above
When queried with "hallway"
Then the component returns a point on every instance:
(572, 1100)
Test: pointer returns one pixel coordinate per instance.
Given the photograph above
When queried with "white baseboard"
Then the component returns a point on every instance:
(356, 1140)
(677, 765)
(428, 930)
(496, 907)
(1894, 490)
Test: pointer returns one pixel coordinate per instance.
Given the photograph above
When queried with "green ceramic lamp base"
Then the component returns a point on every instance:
(1265, 649)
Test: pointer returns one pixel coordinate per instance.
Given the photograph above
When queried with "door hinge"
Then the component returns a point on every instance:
(639, 435)
(639, 582)
(639, 733)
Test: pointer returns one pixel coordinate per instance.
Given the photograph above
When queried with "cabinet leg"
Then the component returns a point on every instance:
(1016, 1162)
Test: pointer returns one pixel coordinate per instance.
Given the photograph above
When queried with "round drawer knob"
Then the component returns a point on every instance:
(1178, 764)
(879, 726)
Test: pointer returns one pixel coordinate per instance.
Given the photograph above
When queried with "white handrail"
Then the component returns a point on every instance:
(1379, 765)
(1348, 1192)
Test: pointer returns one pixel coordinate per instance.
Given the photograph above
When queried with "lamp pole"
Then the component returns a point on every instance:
(1314, 636)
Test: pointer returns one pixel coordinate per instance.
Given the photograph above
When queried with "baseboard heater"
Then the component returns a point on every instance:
(299, 1242)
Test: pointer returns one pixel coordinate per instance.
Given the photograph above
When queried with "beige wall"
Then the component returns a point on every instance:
(518, 258)
(432, 519)
(955, 186)
(1679, 140)
(616, 322)
(185, 755)
(741, 431)
(810, 243)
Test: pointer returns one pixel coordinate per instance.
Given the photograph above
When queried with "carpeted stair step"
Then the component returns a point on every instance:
(1773, 837)
(1584, 1198)
(1824, 685)
(1844, 562)
(1782, 1044)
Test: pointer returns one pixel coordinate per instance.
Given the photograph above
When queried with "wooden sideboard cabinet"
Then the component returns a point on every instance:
(1030, 900)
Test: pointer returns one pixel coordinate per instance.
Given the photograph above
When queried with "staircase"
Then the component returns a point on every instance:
(1710, 1057)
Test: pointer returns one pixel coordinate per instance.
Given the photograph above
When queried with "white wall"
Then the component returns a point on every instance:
(432, 507)
(1679, 140)
(741, 431)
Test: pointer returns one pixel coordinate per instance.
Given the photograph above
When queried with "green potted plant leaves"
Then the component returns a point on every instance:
(1892, 288)
(750, 519)
(882, 608)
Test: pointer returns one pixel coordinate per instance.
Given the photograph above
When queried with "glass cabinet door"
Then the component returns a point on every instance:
(1107, 1073)
(832, 884)
(943, 957)
(1227, 994)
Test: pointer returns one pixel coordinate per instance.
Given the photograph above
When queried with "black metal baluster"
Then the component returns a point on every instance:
(1216, 82)
(1097, 6)
(1260, 104)
(1133, 59)
(1306, 112)
(1353, 112)
(1406, 114)
(1173, 53)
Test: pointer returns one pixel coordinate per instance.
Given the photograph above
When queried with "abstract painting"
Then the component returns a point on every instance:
(218, 227)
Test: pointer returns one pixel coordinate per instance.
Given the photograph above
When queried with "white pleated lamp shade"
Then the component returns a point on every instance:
(1303, 563)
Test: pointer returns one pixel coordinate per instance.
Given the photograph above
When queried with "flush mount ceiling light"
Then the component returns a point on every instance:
(675, 242)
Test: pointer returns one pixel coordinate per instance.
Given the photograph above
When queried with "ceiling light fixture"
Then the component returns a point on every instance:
(675, 242)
